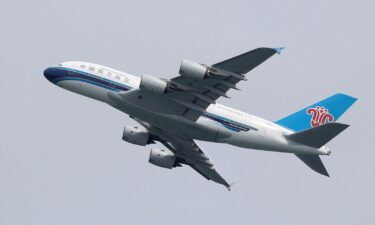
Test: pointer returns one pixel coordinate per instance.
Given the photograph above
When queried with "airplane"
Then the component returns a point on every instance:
(176, 112)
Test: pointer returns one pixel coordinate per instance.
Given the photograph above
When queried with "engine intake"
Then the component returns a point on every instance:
(153, 84)
(136, 135)
(162, 158)
(193, 70)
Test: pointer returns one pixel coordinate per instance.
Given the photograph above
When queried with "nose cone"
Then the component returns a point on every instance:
(50, 73)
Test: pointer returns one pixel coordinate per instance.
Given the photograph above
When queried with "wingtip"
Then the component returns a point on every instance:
(278, 50)
(325, 173)
(229, 187)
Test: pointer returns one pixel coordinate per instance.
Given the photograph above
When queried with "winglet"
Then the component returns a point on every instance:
(278, 50)
(230, 186)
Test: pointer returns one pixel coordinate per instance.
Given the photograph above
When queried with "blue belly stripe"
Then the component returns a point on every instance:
(86, 81)
(227, 123)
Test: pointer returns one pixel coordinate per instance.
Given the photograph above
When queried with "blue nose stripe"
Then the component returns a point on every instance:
(57, 74)
(50, 74)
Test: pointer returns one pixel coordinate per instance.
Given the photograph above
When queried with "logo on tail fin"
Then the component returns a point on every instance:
(319, 116)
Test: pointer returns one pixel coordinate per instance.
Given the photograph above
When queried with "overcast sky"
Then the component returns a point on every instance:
(62, 160)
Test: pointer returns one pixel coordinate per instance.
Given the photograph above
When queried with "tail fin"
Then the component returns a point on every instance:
(318, 136)
(327, 110)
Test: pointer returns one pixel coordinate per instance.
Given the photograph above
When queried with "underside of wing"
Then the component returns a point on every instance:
(190, 154)
(210, 174)
(186, 152)
(244, 63)
(199, 92)
(197, 87)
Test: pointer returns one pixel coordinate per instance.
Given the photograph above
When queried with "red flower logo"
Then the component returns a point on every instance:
(319, 116)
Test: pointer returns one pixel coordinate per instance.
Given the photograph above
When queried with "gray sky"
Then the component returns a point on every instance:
(62, 160)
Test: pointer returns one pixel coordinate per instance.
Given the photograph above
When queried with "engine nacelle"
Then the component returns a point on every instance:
(163, 158)
(153, 84)
(136, 135)
(193, 70)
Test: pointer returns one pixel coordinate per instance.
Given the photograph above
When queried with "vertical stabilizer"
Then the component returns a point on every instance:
(325, 111)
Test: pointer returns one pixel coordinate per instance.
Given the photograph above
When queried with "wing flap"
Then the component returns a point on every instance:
(225, 76)
(190, 98)
(210, 174)
(188, 153)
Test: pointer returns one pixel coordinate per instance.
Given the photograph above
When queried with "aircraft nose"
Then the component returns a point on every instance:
(50, 74)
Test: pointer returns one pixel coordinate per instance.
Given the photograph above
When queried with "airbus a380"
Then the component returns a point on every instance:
(178, 111)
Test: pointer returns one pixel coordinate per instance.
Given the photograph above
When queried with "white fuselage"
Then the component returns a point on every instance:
(247, 131)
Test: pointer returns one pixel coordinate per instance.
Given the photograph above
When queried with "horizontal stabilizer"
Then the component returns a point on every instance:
(314, 162)
(318, 136)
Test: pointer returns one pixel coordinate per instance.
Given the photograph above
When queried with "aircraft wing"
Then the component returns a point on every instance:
(189, 153)
(199, 94)
(189, 98)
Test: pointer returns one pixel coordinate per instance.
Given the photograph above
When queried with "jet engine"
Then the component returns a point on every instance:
(162, 158)
(153, 84)
(136, 135)
(193, 70)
